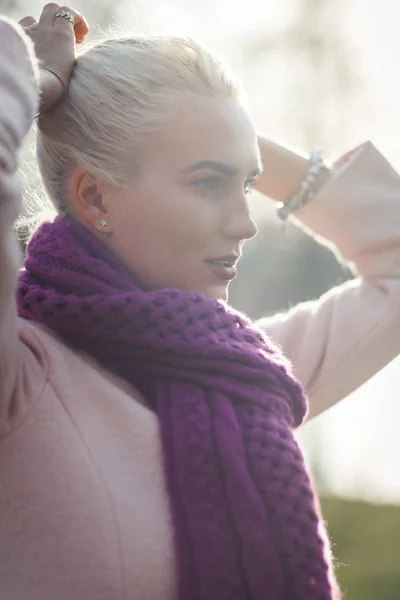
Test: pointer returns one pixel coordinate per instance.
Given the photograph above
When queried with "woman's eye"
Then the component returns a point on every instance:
(249, 187)
(209, 183)
(213, 184)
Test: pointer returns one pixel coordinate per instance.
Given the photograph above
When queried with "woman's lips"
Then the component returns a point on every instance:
(226, 272)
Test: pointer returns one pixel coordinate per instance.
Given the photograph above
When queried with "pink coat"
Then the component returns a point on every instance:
(83, 506)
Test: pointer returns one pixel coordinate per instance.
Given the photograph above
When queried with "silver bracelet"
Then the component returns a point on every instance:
(308, 188)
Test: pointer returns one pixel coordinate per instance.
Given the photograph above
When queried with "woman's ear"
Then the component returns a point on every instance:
(88, 203)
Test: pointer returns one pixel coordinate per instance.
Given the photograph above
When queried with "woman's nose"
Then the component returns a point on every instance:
(240, 225)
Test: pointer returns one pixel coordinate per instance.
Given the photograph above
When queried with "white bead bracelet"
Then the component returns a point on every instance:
(308, 188)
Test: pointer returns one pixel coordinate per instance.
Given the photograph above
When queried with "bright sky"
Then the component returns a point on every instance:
(362, 447)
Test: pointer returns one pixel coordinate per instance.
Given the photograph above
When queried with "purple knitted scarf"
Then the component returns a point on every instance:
(246, 520)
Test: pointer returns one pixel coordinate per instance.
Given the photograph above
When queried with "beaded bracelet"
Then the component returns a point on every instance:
(308, 188)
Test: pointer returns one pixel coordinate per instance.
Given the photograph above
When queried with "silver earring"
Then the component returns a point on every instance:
(104, 222)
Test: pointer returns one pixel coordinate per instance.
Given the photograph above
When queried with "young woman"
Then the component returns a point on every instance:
(146, 446)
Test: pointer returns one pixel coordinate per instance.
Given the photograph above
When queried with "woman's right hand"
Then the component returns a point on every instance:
(54, 39)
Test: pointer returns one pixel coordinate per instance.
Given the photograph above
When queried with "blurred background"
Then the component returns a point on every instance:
(317, 73)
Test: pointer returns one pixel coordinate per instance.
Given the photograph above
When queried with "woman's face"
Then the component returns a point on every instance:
(183, 221)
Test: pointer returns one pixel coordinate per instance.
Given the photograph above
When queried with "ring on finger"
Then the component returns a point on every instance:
(66, 15)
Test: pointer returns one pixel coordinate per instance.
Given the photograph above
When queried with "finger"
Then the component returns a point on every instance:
(60, 22)
(27, 21)
(48, 18)
(48, 14)
(81, 28)
(31, 30)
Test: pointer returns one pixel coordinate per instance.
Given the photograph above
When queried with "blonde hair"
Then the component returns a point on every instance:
(120, 90)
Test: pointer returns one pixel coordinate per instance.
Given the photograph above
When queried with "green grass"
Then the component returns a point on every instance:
(366, 544)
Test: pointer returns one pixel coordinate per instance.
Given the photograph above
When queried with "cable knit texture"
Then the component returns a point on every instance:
(247, 522)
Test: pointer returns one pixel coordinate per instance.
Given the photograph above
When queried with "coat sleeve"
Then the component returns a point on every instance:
(18, 102)
(338, 342)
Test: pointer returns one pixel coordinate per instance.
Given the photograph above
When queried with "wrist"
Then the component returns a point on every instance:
(284, 169)
(52, 90)
(318, 168)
